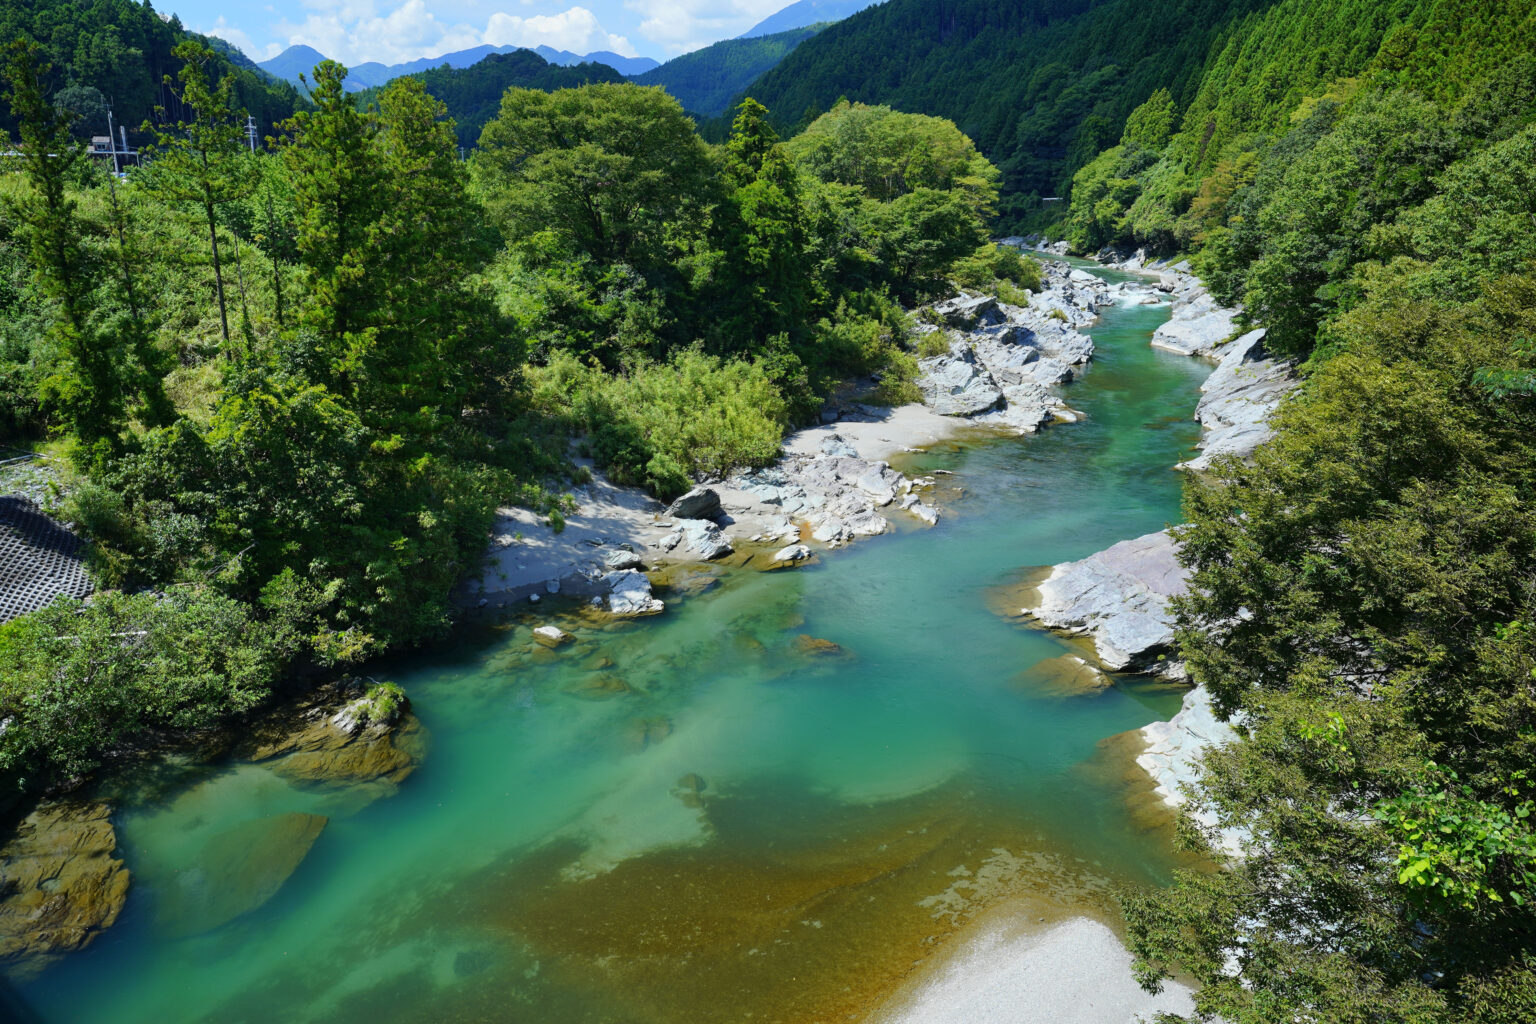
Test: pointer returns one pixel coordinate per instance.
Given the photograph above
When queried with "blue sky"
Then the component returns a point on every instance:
(391, 31)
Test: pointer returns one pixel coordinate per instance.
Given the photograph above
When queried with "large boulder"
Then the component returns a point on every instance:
(629, 594)
(365, 755)
(969, 311)
(60, 885)
(698, 538)
(699, 503)
(1197, 326)
(957, 385)
(1118, 597)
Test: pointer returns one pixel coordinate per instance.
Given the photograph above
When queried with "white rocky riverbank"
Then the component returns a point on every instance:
(1000, 370)
(1119, 597)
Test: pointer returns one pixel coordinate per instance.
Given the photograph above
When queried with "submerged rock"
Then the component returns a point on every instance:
(552, 636)
(816, 646)
(310, 744)
(60, 882)
(236, 871)
(1064, 676)
(1119, 598)
(603, 687)
(690, 790)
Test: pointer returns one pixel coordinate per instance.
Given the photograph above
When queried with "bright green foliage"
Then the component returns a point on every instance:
(1351, 596)
(1151, 124)
(610, 169)
(1042, 86)
(992, 264)
(890, 155)
(921, 198)
(1460, 850)
(661, 424)
(329, 153)
(84, 384)
(120, 51)
(204, 161)
(78, 679)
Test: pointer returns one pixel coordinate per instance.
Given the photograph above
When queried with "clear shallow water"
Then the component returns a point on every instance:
(690, 818)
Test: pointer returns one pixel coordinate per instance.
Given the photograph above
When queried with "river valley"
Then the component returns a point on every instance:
(767, 804)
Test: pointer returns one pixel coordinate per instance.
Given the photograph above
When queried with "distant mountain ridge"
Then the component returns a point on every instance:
(804, 13)
(301, 59)
(705, 81)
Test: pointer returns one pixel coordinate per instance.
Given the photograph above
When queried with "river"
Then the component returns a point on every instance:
(692, 818)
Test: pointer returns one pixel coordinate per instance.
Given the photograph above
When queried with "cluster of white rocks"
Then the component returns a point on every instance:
(1118, 598)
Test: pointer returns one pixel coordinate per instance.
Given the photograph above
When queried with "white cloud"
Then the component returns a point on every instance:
(683, 25)
(243, 42)
(355, 31)
(575, 29)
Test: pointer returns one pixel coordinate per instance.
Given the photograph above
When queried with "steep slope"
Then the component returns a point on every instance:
(804, 13)
(473, 94)
(1041, 85)
(705, 81)
(118, 52)
(292, 62)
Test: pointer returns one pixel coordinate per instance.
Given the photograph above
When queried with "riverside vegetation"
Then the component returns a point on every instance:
(292, 386)
(1357, 176)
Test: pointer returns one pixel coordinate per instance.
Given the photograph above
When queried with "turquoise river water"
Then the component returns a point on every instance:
(739, 829)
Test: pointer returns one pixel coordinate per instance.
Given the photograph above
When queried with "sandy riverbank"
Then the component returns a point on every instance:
(1009, 968)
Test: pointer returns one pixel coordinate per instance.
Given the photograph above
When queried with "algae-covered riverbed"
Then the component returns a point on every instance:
(704, 816)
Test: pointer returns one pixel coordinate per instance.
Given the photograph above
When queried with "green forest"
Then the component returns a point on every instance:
(472, 95)
(707, 80)
(123, 49)
(291, 387)
(1362, 591)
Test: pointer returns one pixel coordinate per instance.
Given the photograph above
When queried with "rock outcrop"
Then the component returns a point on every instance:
(312, 742)
(1199, 324)
(699, 503)
(629, 594)
(1118, 598)
(1002, 360)
(697, 537)
(60, 884)
(1238, 400)
(1173, 752)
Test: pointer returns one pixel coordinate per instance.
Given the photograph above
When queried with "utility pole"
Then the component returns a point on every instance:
(111, 141)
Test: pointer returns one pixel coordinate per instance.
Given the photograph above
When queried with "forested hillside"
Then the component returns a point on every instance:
(705, 81)
(473, 94)
(1041, 85)
(121, 50)
(1361, 179)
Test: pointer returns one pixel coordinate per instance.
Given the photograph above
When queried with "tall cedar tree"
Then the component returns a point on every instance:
(85, 385)
(203, 161)
(334, 173)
